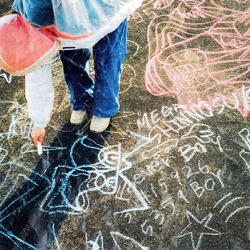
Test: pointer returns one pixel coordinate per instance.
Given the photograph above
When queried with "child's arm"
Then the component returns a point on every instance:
(40, 96)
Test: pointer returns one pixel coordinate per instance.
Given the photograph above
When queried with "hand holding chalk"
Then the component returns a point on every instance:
(37, 136)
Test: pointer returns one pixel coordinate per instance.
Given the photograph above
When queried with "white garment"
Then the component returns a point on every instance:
(95, 19)
(39, 93)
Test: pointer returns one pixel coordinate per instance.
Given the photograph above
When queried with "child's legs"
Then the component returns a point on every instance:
(109, 54)
(80, 84)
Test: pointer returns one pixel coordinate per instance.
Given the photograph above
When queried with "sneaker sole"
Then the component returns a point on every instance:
(96, 130)
(79, 121)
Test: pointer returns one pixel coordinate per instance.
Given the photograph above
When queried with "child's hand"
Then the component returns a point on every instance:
(38, 135)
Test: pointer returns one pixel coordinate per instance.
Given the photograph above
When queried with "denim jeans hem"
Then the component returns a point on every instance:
(81, 106)
(83, 109)
(102, 115)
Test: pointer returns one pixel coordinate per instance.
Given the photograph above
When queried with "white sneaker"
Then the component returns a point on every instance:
(78, 117)
(98, 125)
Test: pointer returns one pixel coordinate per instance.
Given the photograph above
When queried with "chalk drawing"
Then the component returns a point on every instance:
(162, 4)
(192, 142)
(245, 136)
(237, 211)
(188, 135)
(9, 207)
(96, 244)
(153, 190)
(3, 153)
(130, 217)
(7, 77)
(102, 176)
(191, 229)
(182, 196)
(127, 70)
(245, 156)
(20, 178)
(158, 215)
(170, 204)
(55, 237)
(164, 174)
(193, 74)
(109, 176)
(19, 125)
(132, 44)
(183, 131)
(16, 240)
(228, 203)
(122, 240)
(209, 183)
(147, 229)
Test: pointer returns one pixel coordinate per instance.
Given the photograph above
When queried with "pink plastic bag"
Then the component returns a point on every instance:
(23, 48)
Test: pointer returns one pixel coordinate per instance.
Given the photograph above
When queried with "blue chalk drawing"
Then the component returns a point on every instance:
(102, 176)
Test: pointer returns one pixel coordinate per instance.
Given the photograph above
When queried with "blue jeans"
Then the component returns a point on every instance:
(101, 94)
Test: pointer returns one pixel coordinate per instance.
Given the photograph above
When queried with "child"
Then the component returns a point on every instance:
(99, 24)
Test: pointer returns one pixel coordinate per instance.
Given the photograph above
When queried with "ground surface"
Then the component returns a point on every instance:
(173, 169)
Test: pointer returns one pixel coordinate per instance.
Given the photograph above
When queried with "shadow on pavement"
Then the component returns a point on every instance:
(31, 217)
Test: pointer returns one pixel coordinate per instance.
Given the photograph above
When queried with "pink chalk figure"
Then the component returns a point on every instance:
(146, 9)
(161, 4)
(199, 52)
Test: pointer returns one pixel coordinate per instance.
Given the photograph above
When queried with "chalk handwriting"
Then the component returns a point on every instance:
(96, 244)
